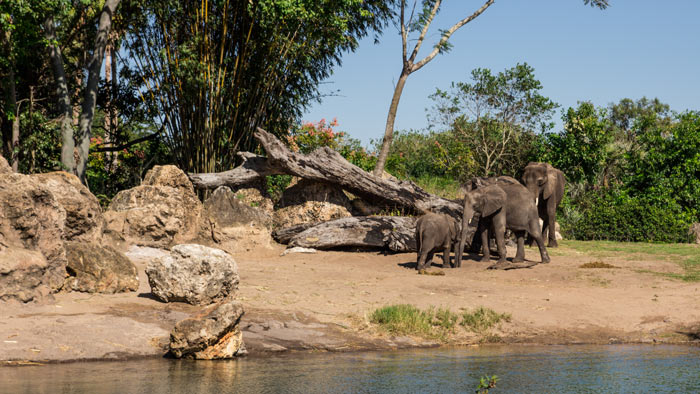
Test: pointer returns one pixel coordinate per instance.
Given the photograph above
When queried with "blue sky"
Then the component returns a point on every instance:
(634, 48)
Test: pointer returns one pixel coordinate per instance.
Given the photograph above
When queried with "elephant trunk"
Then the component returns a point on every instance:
(468, 214)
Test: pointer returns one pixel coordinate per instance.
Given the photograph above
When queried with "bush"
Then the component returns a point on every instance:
(611, 214)
(406, 319)
(482, 319)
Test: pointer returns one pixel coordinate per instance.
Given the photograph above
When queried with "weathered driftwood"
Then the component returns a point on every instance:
(325, 165)
(396, 233)
(253, 168)
(285, 234)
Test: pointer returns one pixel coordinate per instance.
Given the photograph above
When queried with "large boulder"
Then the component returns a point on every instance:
(194, 274)
(310, 201)
(232, 224)
(31, 220)
(25, 274)
(161, 212)
(84, 220)
(213, 334)
(95, 268)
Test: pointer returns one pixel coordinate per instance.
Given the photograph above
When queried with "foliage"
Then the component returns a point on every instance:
(276, 184)
(495, 116)
(482, 319)
(404, 319)
(486, 383)
(216, 70)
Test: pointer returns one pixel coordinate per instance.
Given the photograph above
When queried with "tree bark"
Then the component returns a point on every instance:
(67, 139)
(14, 142)
(395, 233)
(390, 119)
(325, 165)
(94, 66)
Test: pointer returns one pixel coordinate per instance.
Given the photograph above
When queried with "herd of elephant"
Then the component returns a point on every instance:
(502, 203)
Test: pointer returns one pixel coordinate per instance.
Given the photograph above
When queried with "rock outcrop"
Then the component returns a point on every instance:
(194, 274)
(84, 220)
(99, 269)
(32, 257)
(309, 201)
(232, 224)
(162, 211)
(213, 334)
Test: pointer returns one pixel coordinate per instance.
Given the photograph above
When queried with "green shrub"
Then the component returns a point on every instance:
(482, 319)
(406, 319)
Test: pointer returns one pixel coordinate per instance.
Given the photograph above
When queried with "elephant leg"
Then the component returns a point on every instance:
(421, 260)
(499, 232)
(485, 244)
(446, 255)
(520, 253)
(537, 235)
(552, 234)
(429, 260)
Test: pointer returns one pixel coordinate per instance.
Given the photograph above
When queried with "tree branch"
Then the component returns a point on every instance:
(447, 35)
(424, 32)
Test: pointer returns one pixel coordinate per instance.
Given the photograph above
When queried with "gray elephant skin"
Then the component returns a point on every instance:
(546, 183)
(435, 232)
(503, 203)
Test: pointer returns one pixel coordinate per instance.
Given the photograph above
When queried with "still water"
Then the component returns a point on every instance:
(525, 369)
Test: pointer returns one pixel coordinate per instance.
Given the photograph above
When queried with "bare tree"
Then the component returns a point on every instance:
(422, 23)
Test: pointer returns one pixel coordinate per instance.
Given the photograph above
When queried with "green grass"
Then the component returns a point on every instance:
(687, 256)
(443, 187)
(482, 319)
(406, 319)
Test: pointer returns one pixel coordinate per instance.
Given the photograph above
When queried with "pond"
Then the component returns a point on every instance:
(527, 369)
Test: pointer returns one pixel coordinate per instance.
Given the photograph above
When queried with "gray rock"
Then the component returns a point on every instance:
(31, 220)
(99, 269)
(213, 334)
(194, 274)
(225, 209)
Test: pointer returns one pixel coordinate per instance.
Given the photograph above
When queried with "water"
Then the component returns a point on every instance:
(526, 369)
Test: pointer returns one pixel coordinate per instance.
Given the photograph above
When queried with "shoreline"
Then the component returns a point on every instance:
(320, 303)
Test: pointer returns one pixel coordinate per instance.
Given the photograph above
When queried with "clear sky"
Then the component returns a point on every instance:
(632, 49)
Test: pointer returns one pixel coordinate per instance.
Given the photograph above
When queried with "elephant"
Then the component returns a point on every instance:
(434, 232)
(546, 184)
(503, 203)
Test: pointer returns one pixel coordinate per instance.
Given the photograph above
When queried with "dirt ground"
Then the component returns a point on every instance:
(323, 300)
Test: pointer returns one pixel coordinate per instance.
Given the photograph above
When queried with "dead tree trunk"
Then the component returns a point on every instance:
(395, 233)
(325, 165)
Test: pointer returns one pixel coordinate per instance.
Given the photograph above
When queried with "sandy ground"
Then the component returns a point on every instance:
(322, 301)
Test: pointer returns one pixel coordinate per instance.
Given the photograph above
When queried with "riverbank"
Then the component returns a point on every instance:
(321, 302)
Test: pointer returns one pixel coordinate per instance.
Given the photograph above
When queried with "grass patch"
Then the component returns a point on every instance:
(445, 187)
(597, 264)
(687, 256)
(482, 319)
(406, 319)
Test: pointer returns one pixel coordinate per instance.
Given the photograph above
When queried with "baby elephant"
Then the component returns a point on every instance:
(434, 232)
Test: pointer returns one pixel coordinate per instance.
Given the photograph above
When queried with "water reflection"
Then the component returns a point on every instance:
(575, 369)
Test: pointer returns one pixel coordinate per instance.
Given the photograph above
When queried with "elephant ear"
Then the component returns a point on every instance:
(494, 198)
(551, 183)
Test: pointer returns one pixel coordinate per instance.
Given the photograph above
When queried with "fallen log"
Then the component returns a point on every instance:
(253, 167)
(396, 233)
(326, 165)
(285, 234)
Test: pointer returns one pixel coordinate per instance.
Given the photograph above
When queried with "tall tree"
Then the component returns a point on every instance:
(213, 70)
(90, 99)
(421, 25)
(496, 116)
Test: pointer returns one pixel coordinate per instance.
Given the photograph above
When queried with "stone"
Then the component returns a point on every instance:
(5, 166)
(309, 201)
(95, 268)
(23, 274)
(255, 195)
(557, 234)
(234, 225)
(160, 214)
(84, 220)
(213, 334)
(298, 249)
(31, 221)
(169, 176)
(194, 274)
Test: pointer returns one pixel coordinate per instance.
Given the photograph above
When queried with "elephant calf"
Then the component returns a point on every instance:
(434, 232)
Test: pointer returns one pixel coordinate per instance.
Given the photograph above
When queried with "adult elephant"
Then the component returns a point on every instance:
(502, 203)
(546, 184)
